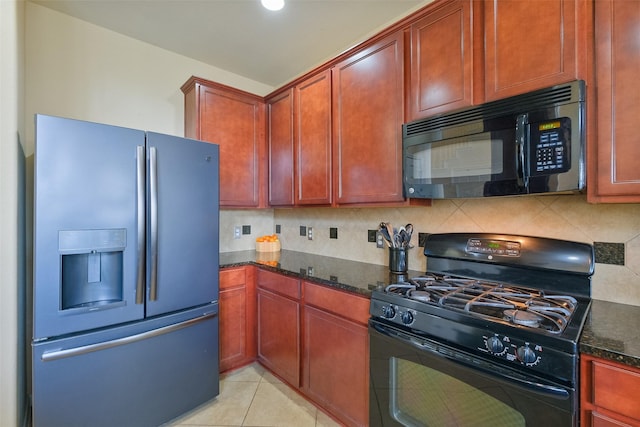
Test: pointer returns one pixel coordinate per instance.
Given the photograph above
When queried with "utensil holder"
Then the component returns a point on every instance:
(398, 260)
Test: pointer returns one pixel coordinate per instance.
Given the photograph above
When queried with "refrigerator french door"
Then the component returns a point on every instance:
(125, 295)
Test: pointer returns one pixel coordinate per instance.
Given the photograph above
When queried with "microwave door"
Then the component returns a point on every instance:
(478, 165)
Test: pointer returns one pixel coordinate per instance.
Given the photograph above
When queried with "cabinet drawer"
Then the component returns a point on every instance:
(615, 388)
(346, 305)
(232, 277)
(279, 284)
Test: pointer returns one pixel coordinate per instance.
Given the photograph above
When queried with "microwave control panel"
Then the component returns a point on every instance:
(549, 145)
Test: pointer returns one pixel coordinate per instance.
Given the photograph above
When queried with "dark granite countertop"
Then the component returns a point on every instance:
(611, 331)
(352, 276)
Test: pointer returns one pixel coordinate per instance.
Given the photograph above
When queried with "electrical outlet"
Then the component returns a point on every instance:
(310, 233)
(333, 232)
(237, 231)
(303, 230)
(372, 236)
(379, 240)
(246, 229)
(278, 228)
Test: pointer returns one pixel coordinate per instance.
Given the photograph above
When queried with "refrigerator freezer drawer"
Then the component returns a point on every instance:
(143, 374)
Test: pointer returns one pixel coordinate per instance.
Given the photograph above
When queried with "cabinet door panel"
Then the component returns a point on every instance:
(313, 140)
(442, 61)
(367, 127)
(617, 56)
(279, 335)
(234, 124)
(233, 320)
(336, 369)
(281, 161)
(237, 317)
(235, 120)
(530, 44)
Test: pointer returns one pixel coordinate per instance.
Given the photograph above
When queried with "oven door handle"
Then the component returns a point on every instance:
(460, 358)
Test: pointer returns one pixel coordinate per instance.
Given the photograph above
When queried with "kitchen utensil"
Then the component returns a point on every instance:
(382, 229)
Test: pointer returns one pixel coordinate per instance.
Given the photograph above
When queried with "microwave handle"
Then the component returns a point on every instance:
(522, 122)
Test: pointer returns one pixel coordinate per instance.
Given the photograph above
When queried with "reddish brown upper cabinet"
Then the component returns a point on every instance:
(614, 154)
(281, 154)
(235, 120)
(608, 393)
(313, 140)
(443, 60)
(532, 44)
(368, 114)
(237, 317)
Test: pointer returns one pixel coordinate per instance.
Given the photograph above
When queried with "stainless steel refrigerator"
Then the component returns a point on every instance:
(125, 292)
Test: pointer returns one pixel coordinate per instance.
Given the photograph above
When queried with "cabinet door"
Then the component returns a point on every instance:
(367, 124)
(313, 140)
(336, 370)
(237, 317)
(529, 44)
(442, 61)
(616, 165)
(279, 335)
(280, 138)
(235, 120)
(608, 393)
(233, 318)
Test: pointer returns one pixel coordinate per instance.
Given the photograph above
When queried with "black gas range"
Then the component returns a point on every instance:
(513, 305)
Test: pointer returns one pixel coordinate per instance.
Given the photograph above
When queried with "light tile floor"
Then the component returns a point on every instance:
(252, 396)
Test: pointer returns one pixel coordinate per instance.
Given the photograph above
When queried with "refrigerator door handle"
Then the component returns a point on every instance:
(153, 219)
(140, 201)
(50, 356)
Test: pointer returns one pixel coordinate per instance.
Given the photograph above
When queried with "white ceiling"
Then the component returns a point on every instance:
(241, 36)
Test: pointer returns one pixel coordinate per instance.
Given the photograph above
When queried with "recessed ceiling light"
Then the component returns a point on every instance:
(273, 4)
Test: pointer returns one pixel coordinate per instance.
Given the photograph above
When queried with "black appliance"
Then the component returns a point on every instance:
(488, 336)
(527, 144)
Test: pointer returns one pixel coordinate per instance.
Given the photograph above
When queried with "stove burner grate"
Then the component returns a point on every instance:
(496, 301)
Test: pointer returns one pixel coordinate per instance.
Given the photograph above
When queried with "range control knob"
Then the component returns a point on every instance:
(388, 312)
(525, 354)
(495, 345)
(407, 318)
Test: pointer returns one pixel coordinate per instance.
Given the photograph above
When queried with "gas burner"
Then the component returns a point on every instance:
(489, 300)
(523, 318)
(419, 295)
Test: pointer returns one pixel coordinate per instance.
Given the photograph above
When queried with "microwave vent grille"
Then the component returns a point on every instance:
(540, 99)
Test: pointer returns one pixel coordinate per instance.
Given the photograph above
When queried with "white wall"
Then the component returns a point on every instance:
(79, 70)
(11, 243)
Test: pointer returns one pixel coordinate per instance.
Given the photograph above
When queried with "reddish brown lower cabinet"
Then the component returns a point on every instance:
(336, 353)
(608, 393)
(237, 317)
(279, 325)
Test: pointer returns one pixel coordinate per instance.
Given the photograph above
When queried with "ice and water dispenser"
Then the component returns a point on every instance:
(91, 262)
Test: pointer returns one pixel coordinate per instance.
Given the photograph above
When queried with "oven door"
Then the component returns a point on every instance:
(418, 382)
(447, 164)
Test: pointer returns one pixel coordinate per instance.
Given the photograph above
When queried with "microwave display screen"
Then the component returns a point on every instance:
(461, 158)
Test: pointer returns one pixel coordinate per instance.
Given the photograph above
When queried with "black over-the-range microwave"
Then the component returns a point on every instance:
(527, 144)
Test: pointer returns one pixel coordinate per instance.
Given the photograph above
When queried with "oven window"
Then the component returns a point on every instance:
(458, 158)
(421, 396)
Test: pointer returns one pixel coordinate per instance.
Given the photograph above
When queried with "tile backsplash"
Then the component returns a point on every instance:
(567, 217)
